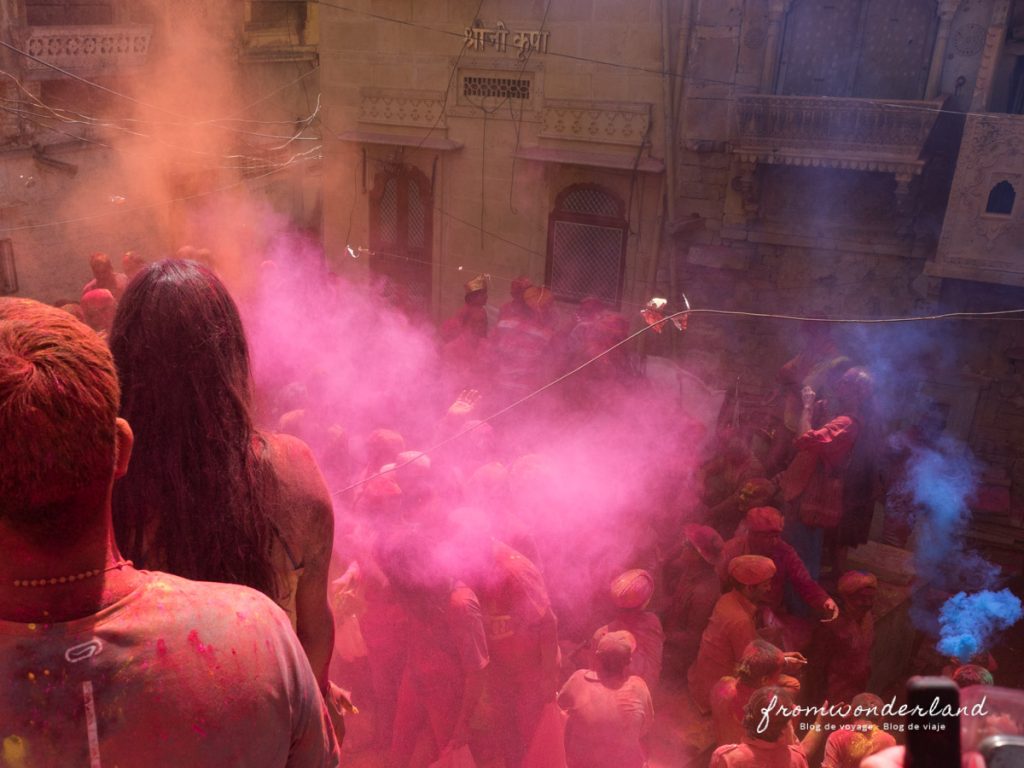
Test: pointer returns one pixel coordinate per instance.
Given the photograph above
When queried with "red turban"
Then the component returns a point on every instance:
(764, 520)
(705, 539)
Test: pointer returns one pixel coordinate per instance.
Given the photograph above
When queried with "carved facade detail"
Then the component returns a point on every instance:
(417, 109)
(976, 244)
(854, 134)
(596, 122)
(85, 50)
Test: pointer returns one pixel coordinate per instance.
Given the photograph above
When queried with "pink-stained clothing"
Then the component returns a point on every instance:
(606, 721)
(688, 612)
(175, 673)
(523, 647)
(446, 643)
(789, 569)
(754, 753)
(650, 643)
(523, 355)
(832, 444)
(728, 698)
(849, 745)
(732, 626)
(116, 285)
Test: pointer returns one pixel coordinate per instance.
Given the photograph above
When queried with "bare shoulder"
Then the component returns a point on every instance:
(303, 507)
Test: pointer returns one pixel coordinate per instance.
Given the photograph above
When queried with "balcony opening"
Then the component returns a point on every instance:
(1001, 199)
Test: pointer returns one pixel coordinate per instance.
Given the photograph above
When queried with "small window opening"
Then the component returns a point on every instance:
(1001, 199)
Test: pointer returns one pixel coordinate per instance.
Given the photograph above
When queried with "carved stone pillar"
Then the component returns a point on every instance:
(946, 10)
(777, 11)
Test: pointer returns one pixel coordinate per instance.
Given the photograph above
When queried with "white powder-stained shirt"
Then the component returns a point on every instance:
(177, 673)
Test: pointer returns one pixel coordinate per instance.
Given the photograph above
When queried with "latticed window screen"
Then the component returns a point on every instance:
(388, 221)
(587, 245)
(417, 216)
(591, 201)
(482, 87)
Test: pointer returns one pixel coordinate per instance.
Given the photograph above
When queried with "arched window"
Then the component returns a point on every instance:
(1001, 199)
(587, 244)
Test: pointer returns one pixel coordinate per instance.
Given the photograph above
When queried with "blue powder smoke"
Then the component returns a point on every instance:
(968, 622)
(941, 480)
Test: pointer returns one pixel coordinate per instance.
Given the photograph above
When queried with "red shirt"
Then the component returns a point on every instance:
(731, 628)
(513, 607)
(789, 569)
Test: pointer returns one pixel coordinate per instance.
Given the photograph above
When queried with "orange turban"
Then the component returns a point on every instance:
(751, 569)
(632, 589)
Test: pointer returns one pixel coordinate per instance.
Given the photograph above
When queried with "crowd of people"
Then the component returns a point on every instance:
(180, 584)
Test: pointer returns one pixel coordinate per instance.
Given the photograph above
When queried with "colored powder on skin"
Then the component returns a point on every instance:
(195, 642)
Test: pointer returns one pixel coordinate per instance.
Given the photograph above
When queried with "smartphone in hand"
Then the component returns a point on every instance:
(933, 723)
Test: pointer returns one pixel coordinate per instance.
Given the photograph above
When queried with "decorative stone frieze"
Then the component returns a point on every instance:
(386, 106)
(596, 122)
(85, 50)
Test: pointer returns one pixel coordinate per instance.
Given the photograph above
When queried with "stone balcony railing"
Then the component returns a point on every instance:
(85, 50)
(857, 134)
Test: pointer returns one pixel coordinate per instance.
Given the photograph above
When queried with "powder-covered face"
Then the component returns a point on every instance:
(861, 602)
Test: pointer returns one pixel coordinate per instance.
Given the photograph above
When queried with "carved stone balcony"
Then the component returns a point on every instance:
(855, 134)
(88, 51)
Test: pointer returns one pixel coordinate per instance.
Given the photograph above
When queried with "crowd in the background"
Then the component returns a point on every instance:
(426, 604)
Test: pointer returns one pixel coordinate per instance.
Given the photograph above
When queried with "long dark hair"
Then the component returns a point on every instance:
(195, 500)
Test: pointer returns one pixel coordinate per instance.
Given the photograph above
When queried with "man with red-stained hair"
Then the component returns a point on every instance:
(104, 276)
(103, 663)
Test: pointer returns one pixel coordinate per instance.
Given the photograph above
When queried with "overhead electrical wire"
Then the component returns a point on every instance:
(646, 328)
